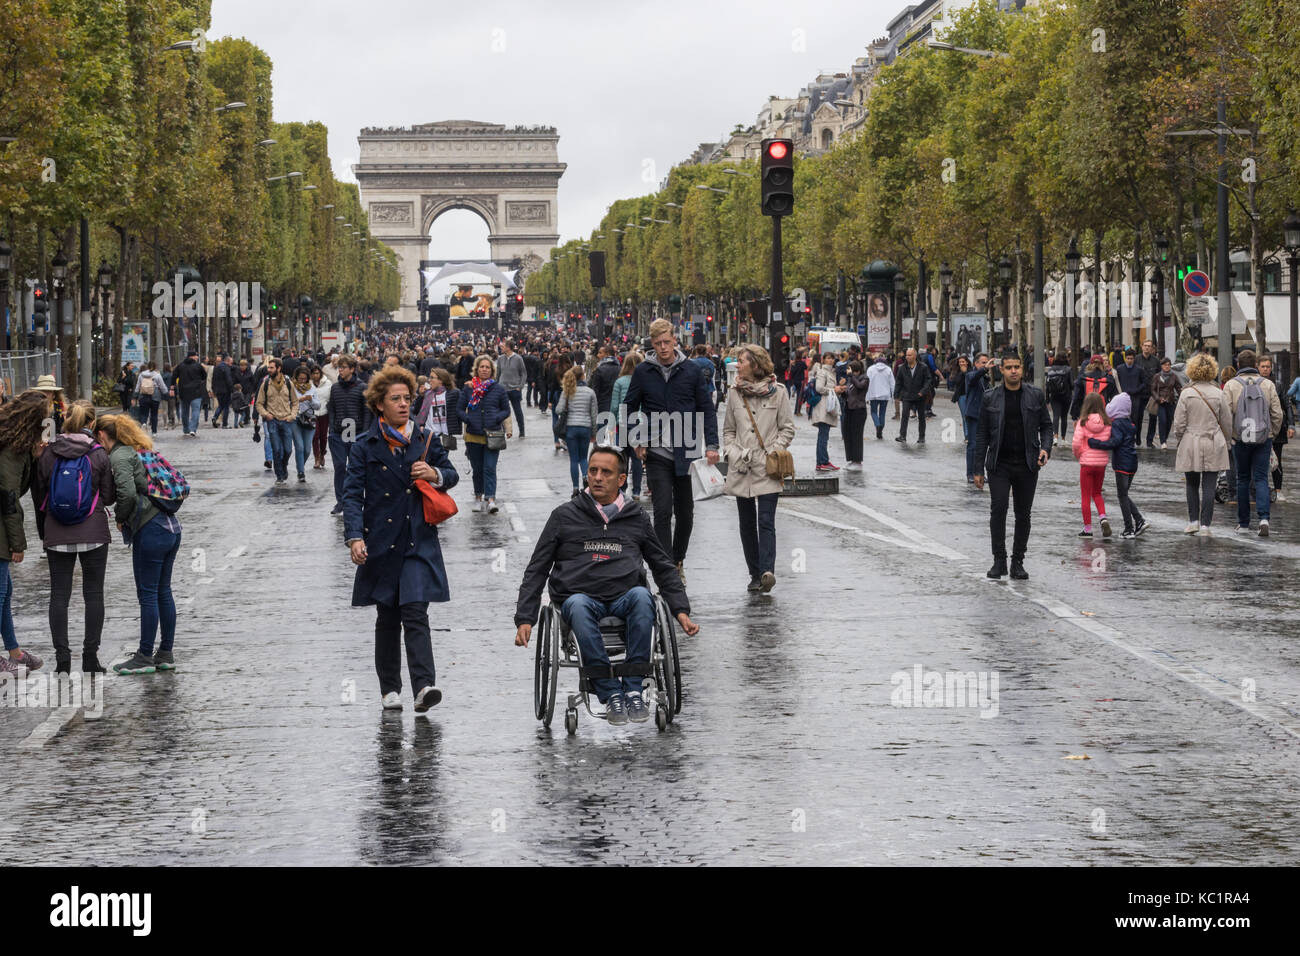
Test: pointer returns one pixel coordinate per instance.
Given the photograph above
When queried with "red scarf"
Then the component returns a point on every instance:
(478, 388)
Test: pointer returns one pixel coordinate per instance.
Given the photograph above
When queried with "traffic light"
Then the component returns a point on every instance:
(40, 300)
(758, 312)
(708, 319)
(781, 351)
(778, 177)
(517, 304)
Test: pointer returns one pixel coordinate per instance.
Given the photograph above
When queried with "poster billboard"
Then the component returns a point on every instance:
(969, 334)
(135, 342)
(878, 324)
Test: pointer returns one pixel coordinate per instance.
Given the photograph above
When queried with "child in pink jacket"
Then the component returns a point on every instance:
(1093, 423)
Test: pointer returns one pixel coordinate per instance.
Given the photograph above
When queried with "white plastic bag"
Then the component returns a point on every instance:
(706, 480)
(832, 403)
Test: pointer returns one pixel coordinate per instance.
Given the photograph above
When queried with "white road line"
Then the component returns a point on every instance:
(516, 522)
(49, 727)
(892, 542)
(236, 552)
(905, 530)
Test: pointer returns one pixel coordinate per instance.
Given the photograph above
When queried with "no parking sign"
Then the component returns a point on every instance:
(1196, 283)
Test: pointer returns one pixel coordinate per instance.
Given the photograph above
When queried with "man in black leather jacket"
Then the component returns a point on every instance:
(1012, 442)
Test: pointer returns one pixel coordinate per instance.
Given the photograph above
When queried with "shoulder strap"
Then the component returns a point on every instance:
(1213, 413)
(754, 425)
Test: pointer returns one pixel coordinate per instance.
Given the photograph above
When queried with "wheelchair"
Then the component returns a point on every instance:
(557, 647)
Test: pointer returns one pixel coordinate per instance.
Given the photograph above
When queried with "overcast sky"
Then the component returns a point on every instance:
(623, 82)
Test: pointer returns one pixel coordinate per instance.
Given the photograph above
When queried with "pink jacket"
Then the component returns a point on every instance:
(1091, 428)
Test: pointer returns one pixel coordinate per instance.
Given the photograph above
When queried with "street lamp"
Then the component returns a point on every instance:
(265, 142)
(826, 294)
(1162, 247)
(945, 284)
(293, 175)
(1004, 277)
(6, 261)
(1291, 238)
(59, 272)
(1072, 259)
(230, 106)
(896, 319)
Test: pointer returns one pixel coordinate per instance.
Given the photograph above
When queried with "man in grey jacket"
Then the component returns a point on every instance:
(512, 373)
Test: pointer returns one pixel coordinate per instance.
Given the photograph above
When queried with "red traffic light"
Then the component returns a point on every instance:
(777, 150)
(785, 340)
(708, 318)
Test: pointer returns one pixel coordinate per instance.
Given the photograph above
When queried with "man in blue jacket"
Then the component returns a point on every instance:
(975, 383)
(674, 393)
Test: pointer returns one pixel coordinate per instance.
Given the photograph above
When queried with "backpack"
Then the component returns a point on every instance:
(72, 497)
(1094, 384)
(166, 488)
(147, 385)
(810, 395)
(1251, 420)
(1058, 381)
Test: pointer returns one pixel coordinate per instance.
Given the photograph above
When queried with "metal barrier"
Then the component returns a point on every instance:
(20, 369)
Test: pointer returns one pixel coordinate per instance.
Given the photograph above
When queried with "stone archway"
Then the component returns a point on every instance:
(509, 177)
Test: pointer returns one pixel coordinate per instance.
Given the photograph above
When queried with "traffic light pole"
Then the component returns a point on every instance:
(776, 327)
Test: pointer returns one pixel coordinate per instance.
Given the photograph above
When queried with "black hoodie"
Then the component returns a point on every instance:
(579, 554)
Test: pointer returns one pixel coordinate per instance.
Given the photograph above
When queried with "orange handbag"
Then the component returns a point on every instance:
(438, 505)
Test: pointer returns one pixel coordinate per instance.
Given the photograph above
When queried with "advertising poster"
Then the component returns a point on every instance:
(969, 334)
(878, 306)
(135, 342)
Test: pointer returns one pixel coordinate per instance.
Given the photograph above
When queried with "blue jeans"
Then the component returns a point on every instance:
(223, 409)
(516, 398)
(7, 607)
(637, 470)
(484, 464)
(147, 413)
(554, 399)
(302, 436)
(971, 424)
(280, 435)
(878, 408)
(583, 614)
(153, 553)
(965, 425)
(191, 416)
(823, 443)
(1252, 466)
(339, 452)
(578, 439)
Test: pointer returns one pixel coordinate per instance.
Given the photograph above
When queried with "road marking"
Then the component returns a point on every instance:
(236, 552)
(893, 542)
(516, 523)
(1211, 684)
(49, 727)
(905, 530)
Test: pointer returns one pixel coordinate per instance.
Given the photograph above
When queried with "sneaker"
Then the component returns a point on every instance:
(336, 510)
(1164, 446)
(1141, 527)
(767, 581)
(681, 573)
(1105, 528)
(754, 585)
(266, 465)
(1191, 528)
(616, 710)
(920, 441)
(90, 665)
(575, 494)
(280, 481)
(1243, 529)
(301, 476)
(1018, 571)
(830, 467)
(1127, 533)
(29, 660)
(1263, 528)
(899, 438)
(391, 701)
(9, 665)
(1205, 531)
(636, 708)
(823, 467)
(1278, 496)
(164, 660)
(429, 697)
(479, 505)
(137, 663)
(492, 506)
(1086, 532)
(999, 569)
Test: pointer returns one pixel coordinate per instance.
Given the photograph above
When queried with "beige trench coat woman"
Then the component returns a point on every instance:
(825, 385)
(1202, 420)
(746, 461)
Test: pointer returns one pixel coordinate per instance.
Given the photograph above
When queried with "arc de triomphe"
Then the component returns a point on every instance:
(411, 176)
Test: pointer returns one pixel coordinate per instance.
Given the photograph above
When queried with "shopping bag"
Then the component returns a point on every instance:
(706, 480)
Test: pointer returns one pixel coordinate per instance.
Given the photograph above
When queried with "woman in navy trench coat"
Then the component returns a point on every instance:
(398, 557)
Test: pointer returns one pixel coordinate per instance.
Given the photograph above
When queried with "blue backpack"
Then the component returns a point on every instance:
(72, 497)
(810, 395)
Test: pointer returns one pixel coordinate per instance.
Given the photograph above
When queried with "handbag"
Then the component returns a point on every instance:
(780, 463)
(1153, 407)
(449, 442)
(438, 505)
(496, 439)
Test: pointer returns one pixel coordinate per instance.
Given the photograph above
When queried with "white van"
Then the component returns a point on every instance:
(833, 340)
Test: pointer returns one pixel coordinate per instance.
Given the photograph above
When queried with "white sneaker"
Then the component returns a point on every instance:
(491, 506)
(480, 505)
(1192, 528)
(1205, 531)
(1280, 497)
(391, 701)
(1263, 529)
(1164, 446)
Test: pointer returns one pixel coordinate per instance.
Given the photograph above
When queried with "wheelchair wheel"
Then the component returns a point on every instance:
(546, 671)
(671, 680)
(662, 718)
(571, 722)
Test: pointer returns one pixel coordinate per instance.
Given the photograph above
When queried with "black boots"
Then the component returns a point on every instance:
(999, 569)
(1018, 571)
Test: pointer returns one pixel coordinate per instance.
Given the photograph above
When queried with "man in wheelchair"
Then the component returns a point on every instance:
(592, 555)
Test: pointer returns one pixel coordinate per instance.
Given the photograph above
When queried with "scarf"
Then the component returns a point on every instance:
(393, 437)
(479, 387)
(760, 389)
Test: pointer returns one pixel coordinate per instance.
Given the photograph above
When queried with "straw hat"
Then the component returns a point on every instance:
(46, 383)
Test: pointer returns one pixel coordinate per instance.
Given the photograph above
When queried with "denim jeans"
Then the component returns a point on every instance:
(578, 441)
(554, 399)
(302, 436)
(147, 413)
(280, 435)
(153, 553)
(191, 422)
(1252, 466)
(339, 452)
(583, 614)
(484, 465)
(1165, 419)
(878, 408)
(7, 607)
(516, 398)
(971, 425)
(222, 413)
(758, 532)
(823, 443)
(637, 470)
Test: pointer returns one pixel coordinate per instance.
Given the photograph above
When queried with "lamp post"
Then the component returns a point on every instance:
(1004, 277)
(1162, 247)
(59, 273)
(1072, 258)
(860, 313)
(896, 318)
(6, 260)
(945, 283)
(105, 281)
(826, 294)
(1291, 239)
